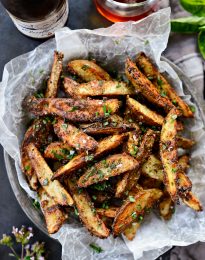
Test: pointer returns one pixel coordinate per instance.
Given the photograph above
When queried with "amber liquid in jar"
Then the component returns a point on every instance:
(114, 13)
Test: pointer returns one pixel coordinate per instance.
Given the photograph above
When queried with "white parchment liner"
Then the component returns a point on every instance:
(110, 47)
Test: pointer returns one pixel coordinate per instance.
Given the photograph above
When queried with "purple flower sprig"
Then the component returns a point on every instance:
(34, 251)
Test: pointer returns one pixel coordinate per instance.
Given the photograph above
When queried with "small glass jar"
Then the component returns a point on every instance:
(119, 11)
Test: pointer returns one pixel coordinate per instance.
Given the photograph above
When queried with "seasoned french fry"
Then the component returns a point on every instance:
(74, 137)
(53, 82)
(113, 165)
(110, 212)
(143, 113)
(166, 208)
(104, 146)
(133, 209)
(185, 143)
(112, 125)
(146, 66)
(153, 168)
(168, 153)
(131, 230)
(74, 110)
(184, 162)
(59, 151)
(86, 210)
(88, 70)
(183, 182)
(40, 132)
(141, 153)
(54, 189)
(54, 215)
(97, 88)
(145, 87)
(192, 201)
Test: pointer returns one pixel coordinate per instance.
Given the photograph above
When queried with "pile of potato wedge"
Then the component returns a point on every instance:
(106, 148)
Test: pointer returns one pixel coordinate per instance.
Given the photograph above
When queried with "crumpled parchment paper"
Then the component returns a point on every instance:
(109, 46)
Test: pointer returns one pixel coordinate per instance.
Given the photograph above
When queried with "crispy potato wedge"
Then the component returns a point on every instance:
(104, 146)
(184, 162)
(100, 196)
(110, 212)
(191, 201)
(168, 153)
(149, 183)
(131, 230)
(87, 70)
(74, 137)
(97, 88)
(74, 110)
(112, 125)
(145, 86)
(40, 133)
(166, 208)
(183, 182)
(53, 82)
(133, 142)
(149, 70)
(86, 210)
(134, 210)
(59, 151)
(143, 113)
(141, 153)
(54, 215)
(113, 165)
(54, 189)
(185, 143)
(153, 168)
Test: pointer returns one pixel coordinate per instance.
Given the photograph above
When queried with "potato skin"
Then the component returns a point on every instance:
(87, 70)
(145, 87)
(53, 82)
(74, 110)
(74, 137)
(86, 210)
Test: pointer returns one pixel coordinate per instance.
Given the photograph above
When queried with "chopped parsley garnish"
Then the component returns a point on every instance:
(36, 204)
(27, 167)
(174, 170)
(56, 155)
(134, 215)
(146, 42)
(106, 123)
(45, 182)
(159, 81)
(118, 85)
(150, 77)
(134, 150)
(140, 218)
(76, 211)
(85, 67)
(192, 108)
(105, 205)
(138, 207)
(163, 93)
(174, 117)
(97, 113)
(74, 108)
(96, 248)
(106, 111)
(94, 197)
(101, 186)
(131, 199)
(89, 157)
(64, 126)
(174, 102)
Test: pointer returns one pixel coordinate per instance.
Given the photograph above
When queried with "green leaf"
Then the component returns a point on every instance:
(196, 7)
(201, 43)
(189, 24)
(96, 248)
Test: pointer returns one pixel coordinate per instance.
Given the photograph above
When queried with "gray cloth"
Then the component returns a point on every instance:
(182, 50)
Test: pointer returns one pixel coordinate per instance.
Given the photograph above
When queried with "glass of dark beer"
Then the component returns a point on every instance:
(125, 10)
(37, 18)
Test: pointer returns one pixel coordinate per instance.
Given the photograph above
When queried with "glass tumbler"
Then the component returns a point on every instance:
(125, 10)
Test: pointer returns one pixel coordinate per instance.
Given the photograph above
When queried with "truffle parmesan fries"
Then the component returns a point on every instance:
(106, 149)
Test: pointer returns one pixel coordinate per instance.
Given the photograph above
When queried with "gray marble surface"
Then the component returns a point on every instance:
(12, 43)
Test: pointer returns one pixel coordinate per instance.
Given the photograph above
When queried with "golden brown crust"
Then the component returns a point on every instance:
(168, 153)
(53, 82)
(183, 182)
(112, 166)
(166, 208)
(146, 66)
(143, 113)
(145, 87)
(133, 210)
(54, 215)
(192, 201)
(74, 110)
(87, 70)
(54, 189)
(59, 151)
(97, 88)
(131, 230)
(185, 143)
(184, 162)
(81, 160)
(74, 137)
(110, 212)
(86, 210)
(153, 168)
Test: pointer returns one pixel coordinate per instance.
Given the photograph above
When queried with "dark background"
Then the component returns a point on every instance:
(12, 43)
